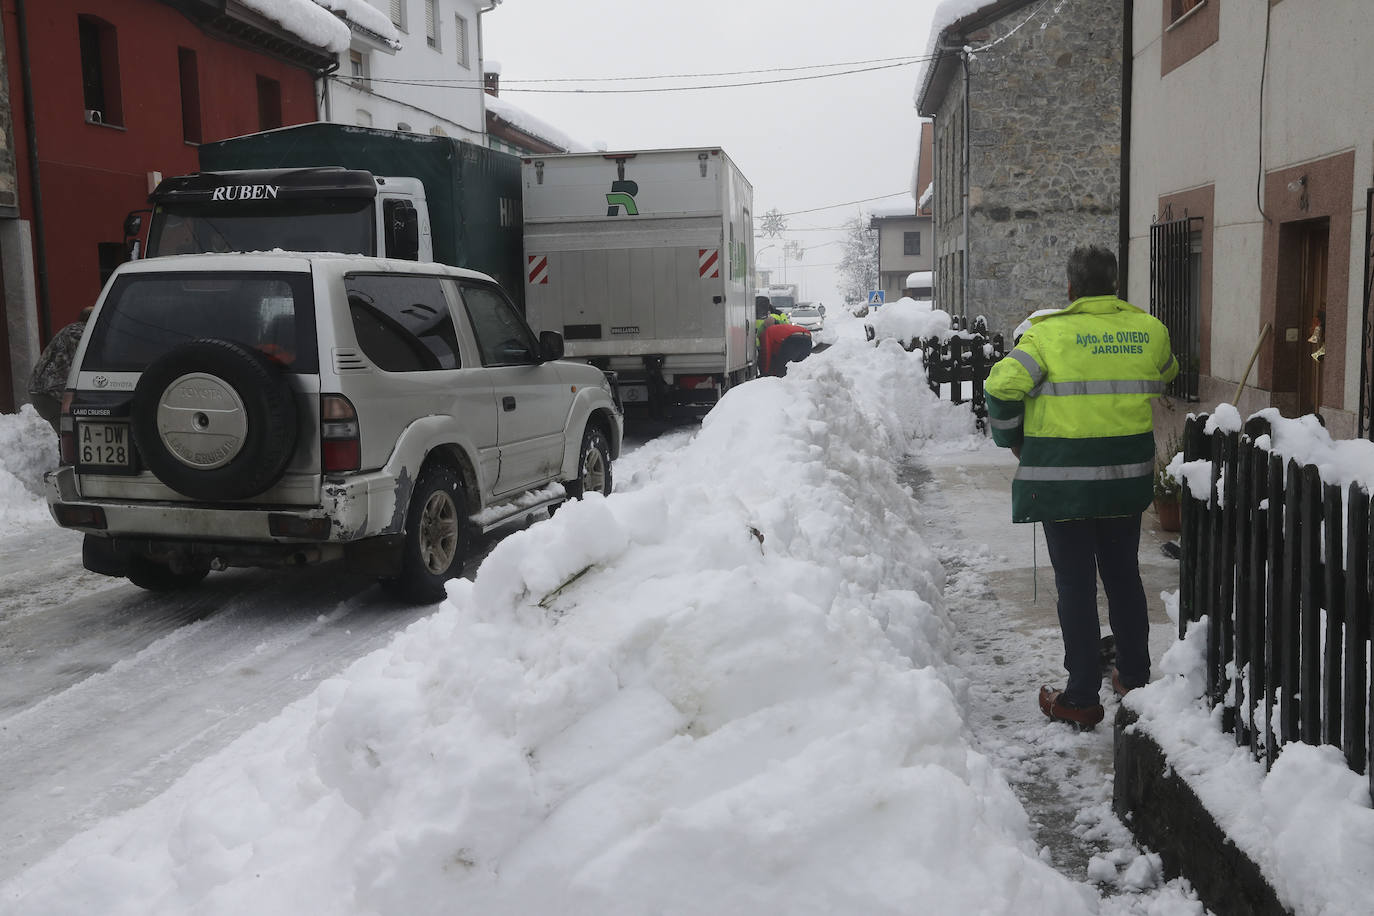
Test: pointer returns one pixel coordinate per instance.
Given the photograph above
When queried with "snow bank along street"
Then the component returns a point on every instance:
(737, 685)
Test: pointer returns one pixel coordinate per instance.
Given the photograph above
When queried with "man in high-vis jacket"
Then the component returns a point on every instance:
(1072, 402)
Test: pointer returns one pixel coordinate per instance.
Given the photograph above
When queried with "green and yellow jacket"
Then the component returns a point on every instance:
(1075, 397)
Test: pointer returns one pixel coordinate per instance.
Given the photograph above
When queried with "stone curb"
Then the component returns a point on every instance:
(1167, 817)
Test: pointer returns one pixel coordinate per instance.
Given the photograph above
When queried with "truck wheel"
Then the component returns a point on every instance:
(214, 419)
(593, 466)
(159, 577)
(436, 539)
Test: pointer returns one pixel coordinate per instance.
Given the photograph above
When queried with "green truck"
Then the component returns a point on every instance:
(356, 190)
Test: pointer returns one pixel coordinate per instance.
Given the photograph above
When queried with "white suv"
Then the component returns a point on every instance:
(284, 409)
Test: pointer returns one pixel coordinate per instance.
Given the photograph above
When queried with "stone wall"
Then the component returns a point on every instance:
(1044, 167)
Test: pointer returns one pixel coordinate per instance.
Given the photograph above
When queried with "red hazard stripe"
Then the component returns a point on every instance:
(708, 261)
(538, 269)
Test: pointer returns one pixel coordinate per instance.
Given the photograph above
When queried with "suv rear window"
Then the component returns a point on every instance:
(402, 322)
(145, 315)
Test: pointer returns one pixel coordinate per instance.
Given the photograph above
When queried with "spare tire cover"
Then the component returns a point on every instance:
(214, 419)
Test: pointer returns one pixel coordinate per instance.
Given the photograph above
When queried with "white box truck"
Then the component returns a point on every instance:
(642, 260)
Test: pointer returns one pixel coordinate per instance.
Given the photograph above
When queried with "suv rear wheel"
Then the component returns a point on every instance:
(437, 537)
(593, 466)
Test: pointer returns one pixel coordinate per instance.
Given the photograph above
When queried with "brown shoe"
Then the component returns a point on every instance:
(1119, 688)
(1052, 704)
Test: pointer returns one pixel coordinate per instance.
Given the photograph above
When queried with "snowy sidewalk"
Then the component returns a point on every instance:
(1001, 598)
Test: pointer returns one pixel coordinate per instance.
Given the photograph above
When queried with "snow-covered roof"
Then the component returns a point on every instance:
(902, 207)
(325, 23)
(532, 125)
(306, 20)
(364, 16)
(947, 15)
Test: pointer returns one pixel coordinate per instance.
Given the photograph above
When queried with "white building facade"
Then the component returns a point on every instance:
(412, 65)
(1249, 199)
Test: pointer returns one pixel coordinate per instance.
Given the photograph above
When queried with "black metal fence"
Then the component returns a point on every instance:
(1279, 562)
(968, 356)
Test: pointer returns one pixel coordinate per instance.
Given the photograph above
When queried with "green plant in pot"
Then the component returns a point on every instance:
(1168, 489)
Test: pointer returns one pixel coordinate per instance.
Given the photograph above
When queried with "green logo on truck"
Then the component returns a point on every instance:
(622, 195)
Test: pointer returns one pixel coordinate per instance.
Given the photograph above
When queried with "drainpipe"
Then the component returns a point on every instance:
(323, 76)
(1124, 203)
(40, 251)
(968, 247)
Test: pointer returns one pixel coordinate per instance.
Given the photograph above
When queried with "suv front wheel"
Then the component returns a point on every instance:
(593, 466)
(436, 539)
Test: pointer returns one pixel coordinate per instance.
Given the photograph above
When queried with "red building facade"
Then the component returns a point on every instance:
(123, 91)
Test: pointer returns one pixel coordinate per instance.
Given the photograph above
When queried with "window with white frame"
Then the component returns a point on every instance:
(398, 14)
(432, 23)
(460, 40)
(357, 68)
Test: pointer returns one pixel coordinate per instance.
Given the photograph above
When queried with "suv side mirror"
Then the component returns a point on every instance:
(402, 222)
(550, 345)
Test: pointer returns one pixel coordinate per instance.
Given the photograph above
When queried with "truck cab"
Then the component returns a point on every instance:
(331, 209)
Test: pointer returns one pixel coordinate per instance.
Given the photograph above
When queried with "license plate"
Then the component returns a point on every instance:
(104, 445)
(634, 394)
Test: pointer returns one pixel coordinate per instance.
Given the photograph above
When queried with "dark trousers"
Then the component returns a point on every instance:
(1081, 550)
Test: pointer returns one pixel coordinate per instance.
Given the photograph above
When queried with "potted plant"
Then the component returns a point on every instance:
(1168, 489)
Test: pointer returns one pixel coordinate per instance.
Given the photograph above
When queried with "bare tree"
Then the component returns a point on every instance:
(858, 268)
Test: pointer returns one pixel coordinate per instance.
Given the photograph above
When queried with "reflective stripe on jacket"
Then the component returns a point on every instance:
(1075, 396)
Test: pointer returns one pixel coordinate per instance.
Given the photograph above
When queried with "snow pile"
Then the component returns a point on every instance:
(724, 689)
(908, 320)
(28, 448)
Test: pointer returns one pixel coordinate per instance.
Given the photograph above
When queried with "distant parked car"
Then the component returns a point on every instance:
(807, 316)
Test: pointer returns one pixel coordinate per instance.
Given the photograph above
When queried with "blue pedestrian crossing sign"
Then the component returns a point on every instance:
(875, 297)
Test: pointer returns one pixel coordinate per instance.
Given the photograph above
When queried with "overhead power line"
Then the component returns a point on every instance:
(849, 203)
(474, 86)
(908, 58)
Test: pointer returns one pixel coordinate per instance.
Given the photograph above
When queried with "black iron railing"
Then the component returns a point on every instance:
(1174, 295)
(1279, 563)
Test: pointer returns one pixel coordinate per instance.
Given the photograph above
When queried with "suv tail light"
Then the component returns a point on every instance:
(66, 431)
(340, 447)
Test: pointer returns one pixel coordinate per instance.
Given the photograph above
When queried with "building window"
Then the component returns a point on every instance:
(460, 40)
(431, 23)
(357, 69)
(1176, 296)
(269, 103)
(911, 243)
(100, 71)
(189, 76)
(403, 126)
(398, 14)
(363, 117)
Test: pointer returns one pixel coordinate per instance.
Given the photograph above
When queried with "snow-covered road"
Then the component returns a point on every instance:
(111, 693)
